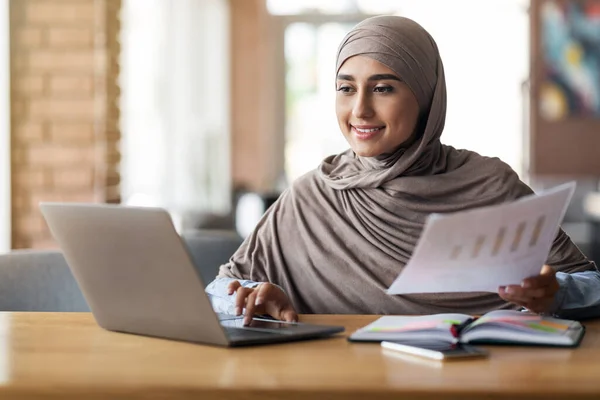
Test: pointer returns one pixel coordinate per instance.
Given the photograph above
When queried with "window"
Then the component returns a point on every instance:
(311, 133)
(175, 102)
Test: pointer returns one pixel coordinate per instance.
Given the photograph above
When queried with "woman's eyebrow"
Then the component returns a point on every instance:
(342, 77)
(376, 77)
(384, 77)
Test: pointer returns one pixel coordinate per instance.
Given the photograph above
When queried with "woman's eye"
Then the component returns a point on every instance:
(344, 89)
(383, 89)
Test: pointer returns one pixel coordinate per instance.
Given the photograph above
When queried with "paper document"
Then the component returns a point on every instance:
(481, 249)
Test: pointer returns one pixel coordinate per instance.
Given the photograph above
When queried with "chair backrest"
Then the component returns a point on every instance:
(35, 280)
(40, 280)
(210, 249)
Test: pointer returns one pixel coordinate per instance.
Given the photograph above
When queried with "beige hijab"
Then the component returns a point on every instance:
(337, 239)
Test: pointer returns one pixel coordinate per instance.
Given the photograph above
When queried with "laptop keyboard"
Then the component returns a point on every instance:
(223, 317)
(238, 334)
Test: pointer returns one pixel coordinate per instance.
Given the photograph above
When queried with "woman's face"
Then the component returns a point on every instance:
(376, 111)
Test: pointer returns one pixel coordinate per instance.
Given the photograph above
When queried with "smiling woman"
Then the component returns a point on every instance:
(377, 112)
(337, 238)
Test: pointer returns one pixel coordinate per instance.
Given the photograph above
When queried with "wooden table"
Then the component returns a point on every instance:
(66, 355)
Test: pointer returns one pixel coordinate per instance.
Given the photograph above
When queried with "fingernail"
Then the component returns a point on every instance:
(525, 284)
(238, 311)
(259, 301)
(510, 290)
(230, 292)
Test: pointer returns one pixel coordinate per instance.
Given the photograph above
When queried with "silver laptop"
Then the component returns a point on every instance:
(137, 277)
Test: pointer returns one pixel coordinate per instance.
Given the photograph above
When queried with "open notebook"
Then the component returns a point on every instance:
(495, 327)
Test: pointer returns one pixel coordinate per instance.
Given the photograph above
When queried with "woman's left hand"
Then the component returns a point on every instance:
(535, 293)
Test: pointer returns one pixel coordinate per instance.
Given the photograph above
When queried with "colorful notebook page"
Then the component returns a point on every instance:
(531, 322)
(415, 326)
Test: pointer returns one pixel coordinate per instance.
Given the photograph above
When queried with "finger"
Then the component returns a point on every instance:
(289, 315)
(512, 295)
(546, 277)
(233, 286)
(262, 293)
(240, 299)
(528, 294)
(250, 306)
(536, 282)
(517, 291)
(548, 271)
(551, 272)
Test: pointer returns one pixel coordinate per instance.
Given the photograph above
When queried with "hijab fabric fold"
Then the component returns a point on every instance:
(337, 239)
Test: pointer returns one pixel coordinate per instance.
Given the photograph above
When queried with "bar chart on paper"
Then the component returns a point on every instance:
(481, 249)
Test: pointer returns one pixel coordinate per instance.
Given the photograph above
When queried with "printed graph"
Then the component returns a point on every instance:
(524, 235)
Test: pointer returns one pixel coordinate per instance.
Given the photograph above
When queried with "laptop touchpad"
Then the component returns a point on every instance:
(260, 324)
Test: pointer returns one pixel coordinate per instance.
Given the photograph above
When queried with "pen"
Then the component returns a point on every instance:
(458, 328)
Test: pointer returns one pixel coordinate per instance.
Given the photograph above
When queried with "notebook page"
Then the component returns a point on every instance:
(431, 327)
(522, 327)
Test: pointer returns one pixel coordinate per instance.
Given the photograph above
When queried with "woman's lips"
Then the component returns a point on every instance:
(366, 132)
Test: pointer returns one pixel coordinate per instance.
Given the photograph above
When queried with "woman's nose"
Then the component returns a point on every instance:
(362, 107)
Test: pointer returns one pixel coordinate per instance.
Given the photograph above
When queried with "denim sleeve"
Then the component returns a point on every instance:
(220, 300)
(578, 296)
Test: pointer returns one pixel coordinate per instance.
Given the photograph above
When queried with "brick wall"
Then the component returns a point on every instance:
(64, 108)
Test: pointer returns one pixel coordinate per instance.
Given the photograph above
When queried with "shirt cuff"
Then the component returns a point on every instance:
(559, 297)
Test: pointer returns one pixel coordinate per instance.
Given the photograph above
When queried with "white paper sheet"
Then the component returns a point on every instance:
(481, 249)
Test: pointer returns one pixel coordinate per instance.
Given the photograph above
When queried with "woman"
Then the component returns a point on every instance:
(337, 239)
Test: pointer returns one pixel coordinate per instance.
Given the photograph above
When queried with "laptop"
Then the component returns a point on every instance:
(137, 277)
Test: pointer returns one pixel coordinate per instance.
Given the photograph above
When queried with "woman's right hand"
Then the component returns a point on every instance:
(265, 298)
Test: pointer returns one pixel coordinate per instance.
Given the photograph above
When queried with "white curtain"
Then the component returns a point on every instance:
(175, 105)
(5, 193)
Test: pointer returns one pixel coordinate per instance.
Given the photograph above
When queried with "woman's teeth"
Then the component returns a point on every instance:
(366, 130)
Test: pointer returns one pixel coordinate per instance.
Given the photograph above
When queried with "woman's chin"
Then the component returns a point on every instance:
(366, 152)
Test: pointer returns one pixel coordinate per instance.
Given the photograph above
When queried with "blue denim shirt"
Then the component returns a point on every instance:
(578, 296)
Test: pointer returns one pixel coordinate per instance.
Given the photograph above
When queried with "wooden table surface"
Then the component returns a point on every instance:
(66, 355)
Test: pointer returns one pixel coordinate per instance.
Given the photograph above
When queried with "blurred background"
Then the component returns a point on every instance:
(211, 108)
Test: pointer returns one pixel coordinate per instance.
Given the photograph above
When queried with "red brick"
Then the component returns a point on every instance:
(60, 156)
(18, 108)
(29, 177)
(29, 37)
(113, 157)
(79, 12)
(71, 85)
(29, 132)
(19, 203)
(19, 62)
(17, 155)
(73, 177)
(29, 85)
(19, 240)
(76, 37)
(72, 132)
(32, 223)
(61, 61)
(62, 108)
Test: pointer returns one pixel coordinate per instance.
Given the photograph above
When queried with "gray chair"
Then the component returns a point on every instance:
(209, 249)
(34, 280)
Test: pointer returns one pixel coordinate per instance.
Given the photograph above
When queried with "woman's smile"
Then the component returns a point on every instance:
(366, 132)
